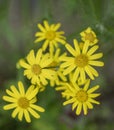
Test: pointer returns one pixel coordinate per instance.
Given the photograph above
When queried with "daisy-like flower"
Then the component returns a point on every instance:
(89, 36)
(36, 67)
(81, 98)
(22, 102)
(50, 35)
(82, 61)
(55, 55)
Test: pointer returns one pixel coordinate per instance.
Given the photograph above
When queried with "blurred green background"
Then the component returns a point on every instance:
(18, 24)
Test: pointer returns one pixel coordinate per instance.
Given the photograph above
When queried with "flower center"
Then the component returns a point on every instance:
(36, 69)
(90, 37)
(50, 35)
(81, 96)
(23, 102)
(81, 60)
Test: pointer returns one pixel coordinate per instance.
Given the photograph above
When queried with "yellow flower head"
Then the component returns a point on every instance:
(36, 67)
(50, 34)
(22, 102)
(89, 36)
(81, 97)
(81, 61)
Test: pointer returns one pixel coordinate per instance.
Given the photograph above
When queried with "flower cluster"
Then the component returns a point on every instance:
(69, 72)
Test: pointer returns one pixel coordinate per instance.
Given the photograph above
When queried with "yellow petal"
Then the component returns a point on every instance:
(96, 63)
(39, 39)
(24, 64)
(79, 108)
(41, 28)
(56, 27)
(11, 93)
(85, 48)
(69, 69)
(85, 108)
(69, 101)
(89, 105)
(60, 74)
(14, 90)
(93, 101)
(32, 94)
(39, 34)
(76, 45)
(33, 113)
(74, 105)
(38, 56)
(89, 73)
(38, 108)
(94, 95)
(15, 112)
(27, 116)
(31, 57)
(94, 72)
(20, 115)
(46, 25)
(92, 50)
(76, 74)
(9, 99)
(66, 64)
(33, 100)
(43, 80)
(10, 106)
(82, 74)
(45, 45)
(70, 49)
(60, 40)
(31, 88)
(96, 56)
(91, 90)
(86, 86)
(21, 88)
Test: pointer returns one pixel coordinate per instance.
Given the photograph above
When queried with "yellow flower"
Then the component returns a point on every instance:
(89, 36)
(81, 98)
(82, 61)
(37, 67)
(50, 34)
(22, 102)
